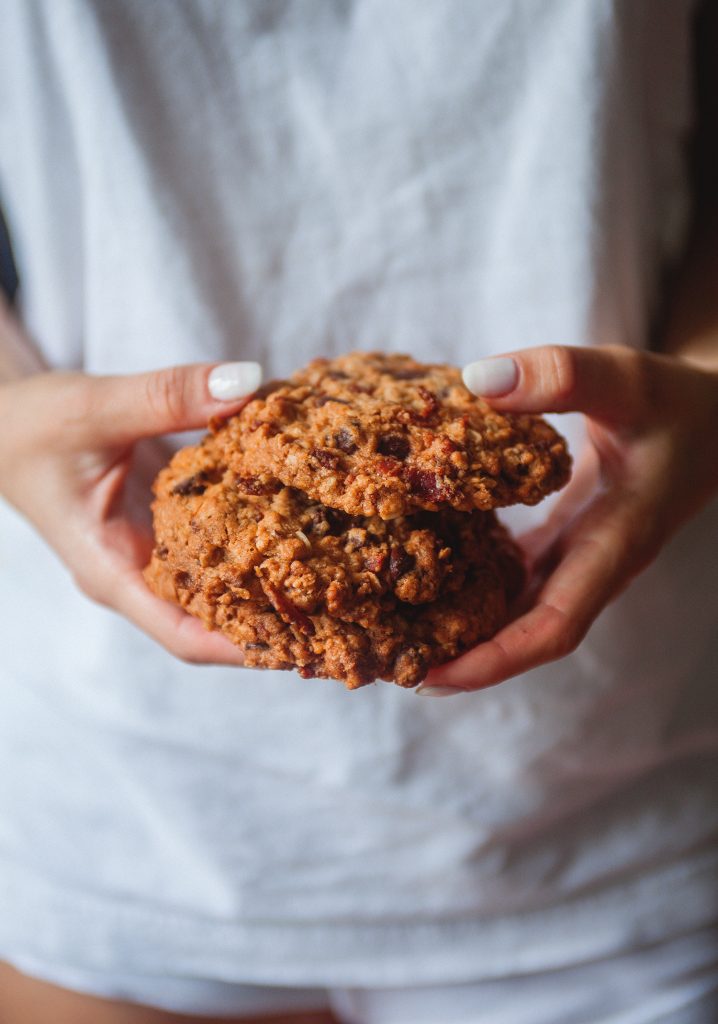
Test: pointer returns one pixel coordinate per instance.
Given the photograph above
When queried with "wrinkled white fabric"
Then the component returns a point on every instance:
(209, 180)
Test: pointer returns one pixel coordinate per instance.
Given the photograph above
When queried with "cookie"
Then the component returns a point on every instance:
(375, 434)
(299, 585)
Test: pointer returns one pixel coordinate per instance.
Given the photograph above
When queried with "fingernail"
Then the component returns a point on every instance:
(234, 380)
(437, 691)
(490, 377)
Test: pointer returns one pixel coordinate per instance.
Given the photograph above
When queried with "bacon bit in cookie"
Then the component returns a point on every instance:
(400, 563)
(375, 560)
(327, 458)
(308, 671)
(427, 485)
(287, 609)
(344, 440)
(389, 466)
(431, 402)
(395, 445)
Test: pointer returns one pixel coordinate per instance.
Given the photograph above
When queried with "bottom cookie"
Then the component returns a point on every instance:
(374, 640)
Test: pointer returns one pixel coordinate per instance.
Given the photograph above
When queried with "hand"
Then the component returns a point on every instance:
(64, 464)
(652, 461)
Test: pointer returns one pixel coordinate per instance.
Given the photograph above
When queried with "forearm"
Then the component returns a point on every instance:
(18, 356)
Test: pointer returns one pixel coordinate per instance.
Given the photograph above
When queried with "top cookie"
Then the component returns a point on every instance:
(374, 434)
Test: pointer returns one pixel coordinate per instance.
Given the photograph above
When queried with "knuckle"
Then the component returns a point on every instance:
(559, 372)
(559, 645)
(565, 638)
(165, 393)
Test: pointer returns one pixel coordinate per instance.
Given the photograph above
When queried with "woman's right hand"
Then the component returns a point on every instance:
(68, 445)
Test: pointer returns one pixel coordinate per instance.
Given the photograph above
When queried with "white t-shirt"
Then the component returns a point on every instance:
(208, 180)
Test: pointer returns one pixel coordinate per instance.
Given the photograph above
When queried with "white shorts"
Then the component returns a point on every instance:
(674, 983)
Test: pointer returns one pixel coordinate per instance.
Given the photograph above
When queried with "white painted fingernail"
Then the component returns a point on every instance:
(234, 380)
(491, 376)
(437, 691)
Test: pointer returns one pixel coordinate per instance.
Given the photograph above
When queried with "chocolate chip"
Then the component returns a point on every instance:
(323, 399)
(344, 440)
(400, 563)
(287, 609)
(338, 521)
(213, 556)
(395, 445)
(192, 485)
(199, 482)
(255, 485)
(406, 374)
(162, 551)
(326, 521)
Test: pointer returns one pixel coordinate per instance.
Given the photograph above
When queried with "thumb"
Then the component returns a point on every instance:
(126, 408)
(607, 383)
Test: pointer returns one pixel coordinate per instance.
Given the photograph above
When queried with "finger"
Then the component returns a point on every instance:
(610, 383)
(125, 408)
(600, 559)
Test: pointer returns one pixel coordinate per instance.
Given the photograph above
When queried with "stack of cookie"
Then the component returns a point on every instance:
(342, 523)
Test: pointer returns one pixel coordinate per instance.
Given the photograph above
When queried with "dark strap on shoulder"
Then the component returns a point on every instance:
(8, 270)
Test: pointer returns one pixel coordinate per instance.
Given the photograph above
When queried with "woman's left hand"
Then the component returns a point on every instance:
(651, 463)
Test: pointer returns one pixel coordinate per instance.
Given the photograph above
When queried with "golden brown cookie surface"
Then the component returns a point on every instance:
(375, 434)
